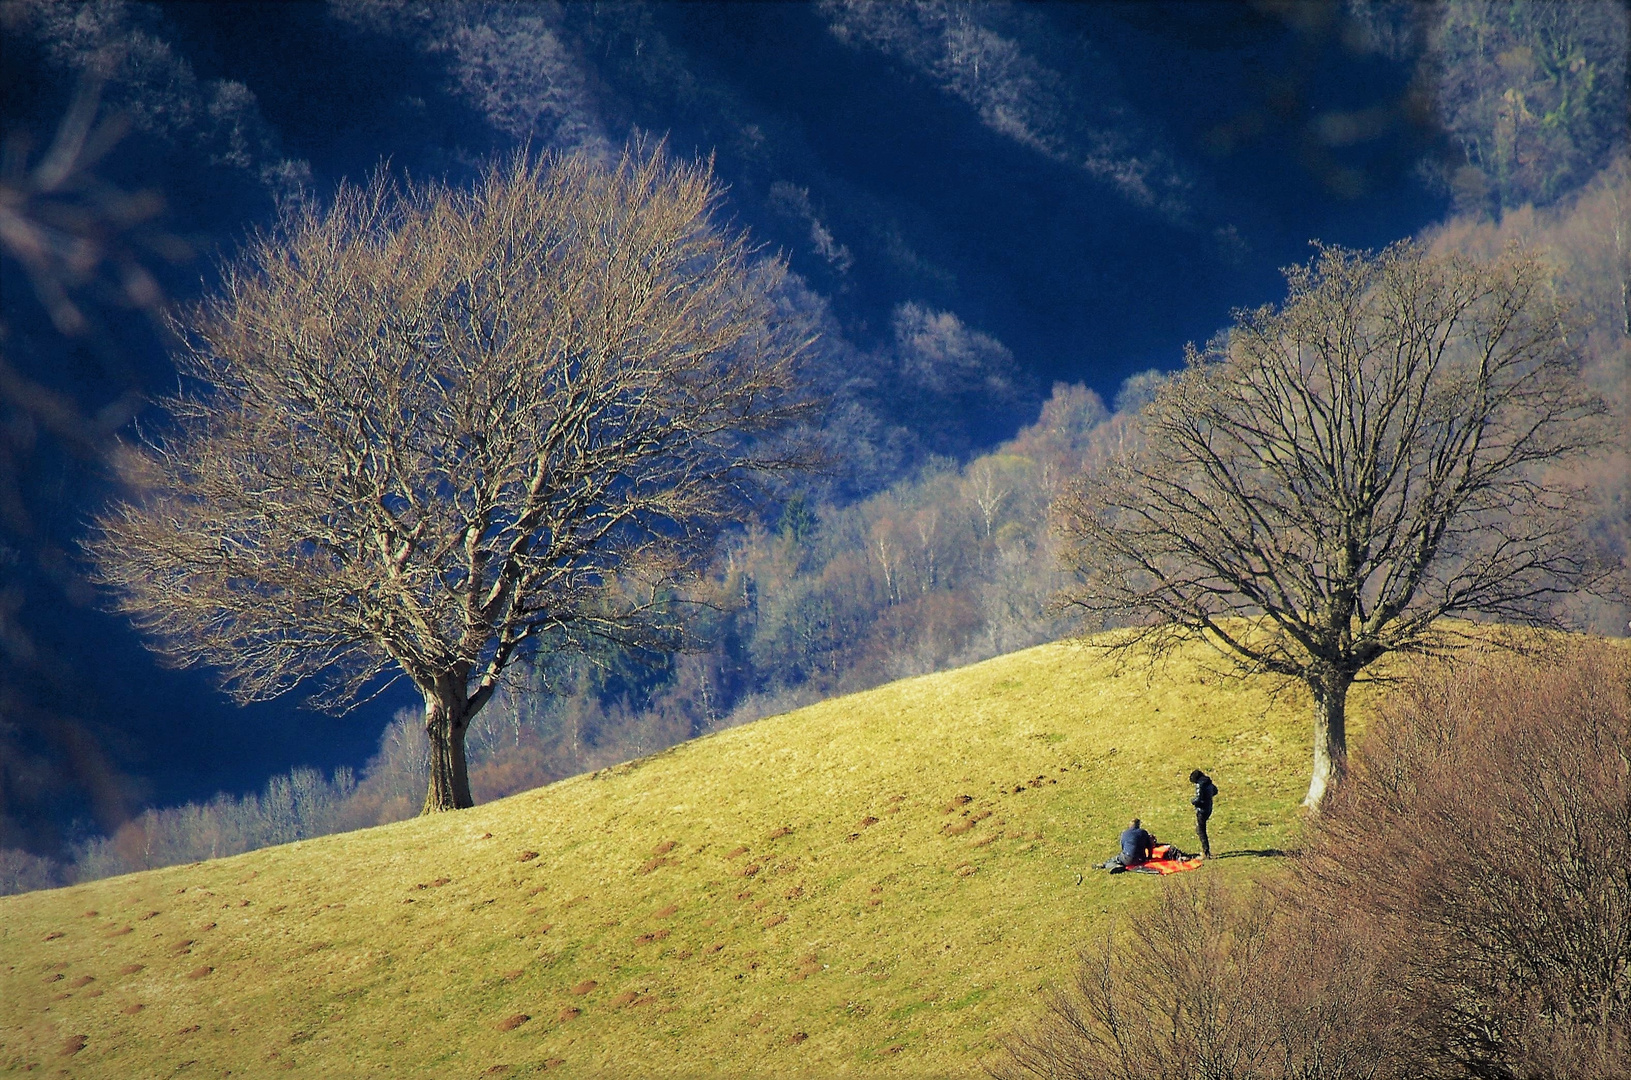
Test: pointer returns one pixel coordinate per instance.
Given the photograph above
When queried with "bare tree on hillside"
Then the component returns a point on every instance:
(431, 429)
(1347, 470)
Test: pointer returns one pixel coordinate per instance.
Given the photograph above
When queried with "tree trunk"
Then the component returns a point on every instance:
(447, 717)
(1330, 735)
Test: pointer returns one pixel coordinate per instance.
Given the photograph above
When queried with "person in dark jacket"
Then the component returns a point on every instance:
(1205, 792)
(1137, 844)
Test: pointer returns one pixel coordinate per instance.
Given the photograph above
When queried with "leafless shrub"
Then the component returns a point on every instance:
(1218, 985)
(1488, 839)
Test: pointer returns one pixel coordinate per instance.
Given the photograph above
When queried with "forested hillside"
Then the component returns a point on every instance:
(996, 268)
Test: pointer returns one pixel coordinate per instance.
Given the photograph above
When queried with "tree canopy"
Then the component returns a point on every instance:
(1326, 483)
(430, 428)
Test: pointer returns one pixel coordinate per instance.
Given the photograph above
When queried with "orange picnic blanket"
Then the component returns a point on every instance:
(1165, 859)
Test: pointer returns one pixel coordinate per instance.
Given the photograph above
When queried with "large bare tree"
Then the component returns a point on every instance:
(431, 428)
(1382, 451)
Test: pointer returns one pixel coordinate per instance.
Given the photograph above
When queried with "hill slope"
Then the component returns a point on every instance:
(807, 895)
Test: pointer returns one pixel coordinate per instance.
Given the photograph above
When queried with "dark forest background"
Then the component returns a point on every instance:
(1006, 219)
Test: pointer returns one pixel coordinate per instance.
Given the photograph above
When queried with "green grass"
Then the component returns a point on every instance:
(732, 900)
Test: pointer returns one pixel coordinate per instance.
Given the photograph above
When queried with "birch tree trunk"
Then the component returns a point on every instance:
(1330, 734)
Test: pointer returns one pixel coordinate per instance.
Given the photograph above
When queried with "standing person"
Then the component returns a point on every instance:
(1205, 792)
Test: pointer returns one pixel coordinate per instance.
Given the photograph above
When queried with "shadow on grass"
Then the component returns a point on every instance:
(1260, 853)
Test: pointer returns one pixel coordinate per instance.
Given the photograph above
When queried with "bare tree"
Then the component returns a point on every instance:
(1346, 471)
(435, 428)
(988, 487)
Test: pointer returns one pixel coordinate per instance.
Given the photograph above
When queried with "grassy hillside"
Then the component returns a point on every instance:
(874, 885)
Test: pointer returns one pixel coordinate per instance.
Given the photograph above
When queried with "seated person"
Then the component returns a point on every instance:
(1137, 844)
